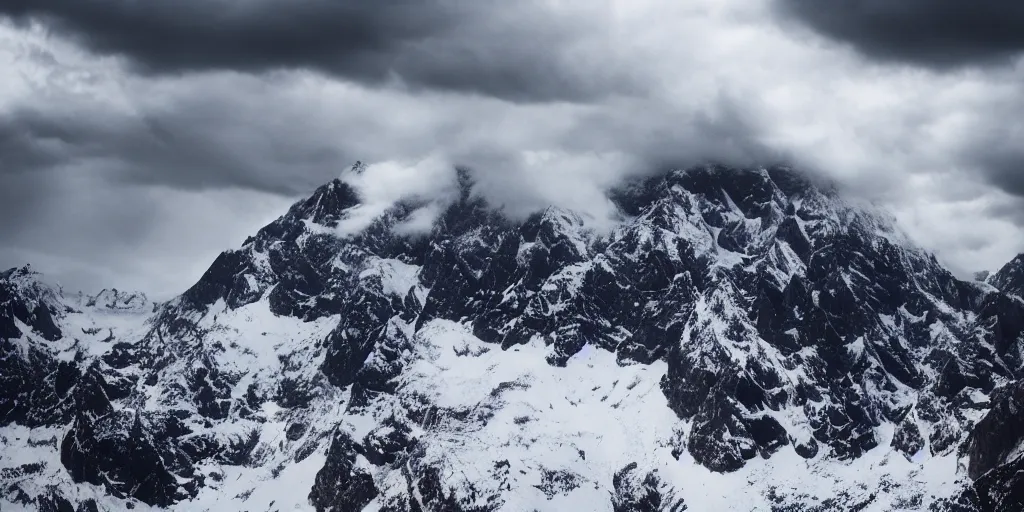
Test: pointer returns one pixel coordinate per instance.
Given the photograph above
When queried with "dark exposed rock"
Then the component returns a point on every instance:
(25, 300)
(29, 394)
(1010, 278)
(118, 451)
(338, 485)
(767, 433)
(999, 433)
(437, 496)
(907, 439)
(54, 503)
(210, 391)
(1004, 317)
(362, 324)
(222, 280)
(376, 374)
(636, 491)
(807, 449)
(719, 440)
(88, 505)
(388, 442)
(239, 451)
(556, 482)
(1001, 489)
(296, 431)
(296, 267)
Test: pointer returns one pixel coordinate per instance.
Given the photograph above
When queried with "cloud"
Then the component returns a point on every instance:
(289, 132)
(421, 221)
(528, 50)
(994, 149)
(88, 233)
(970, 226)
(547, 103)
(219, 139)
(932, 33)
(430, 181)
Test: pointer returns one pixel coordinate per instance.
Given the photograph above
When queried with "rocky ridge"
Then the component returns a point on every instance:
(735, 325)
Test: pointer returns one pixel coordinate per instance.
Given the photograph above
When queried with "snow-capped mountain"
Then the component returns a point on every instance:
(742, 340)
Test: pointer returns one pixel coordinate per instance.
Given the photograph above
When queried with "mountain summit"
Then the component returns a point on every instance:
(742, 340)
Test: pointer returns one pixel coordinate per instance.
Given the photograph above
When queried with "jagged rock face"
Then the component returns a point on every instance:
(34, 387)
(1000, 489)
(285, 255)
(1010, 278)
(120, 301)
(635, 491)
(118, 452)
(24, 302)
(339, 485)
(999, 437)
(995, 455)
(734, 323)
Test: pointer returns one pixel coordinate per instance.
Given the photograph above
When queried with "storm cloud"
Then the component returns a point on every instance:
(136, 136)
(933, 33)
(519, 51)
(196, 145)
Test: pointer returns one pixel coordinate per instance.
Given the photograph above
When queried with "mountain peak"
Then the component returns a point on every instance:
(733, 322)
(113, 299)
(1010, 278)
(23, 274)
(358, 168)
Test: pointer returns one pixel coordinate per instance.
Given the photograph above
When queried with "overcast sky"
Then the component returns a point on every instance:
(139, 139)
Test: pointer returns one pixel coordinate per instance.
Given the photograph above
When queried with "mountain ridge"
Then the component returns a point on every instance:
(756, 316)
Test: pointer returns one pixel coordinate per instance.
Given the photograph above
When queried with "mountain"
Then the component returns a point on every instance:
(1010, 278)
(741, 340)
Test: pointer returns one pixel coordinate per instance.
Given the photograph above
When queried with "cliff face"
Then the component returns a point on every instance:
(742, 339)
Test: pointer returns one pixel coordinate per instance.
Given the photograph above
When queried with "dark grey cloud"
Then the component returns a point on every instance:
(134, 170)
(663, 137)
(27, 143)
(111, 193)
(88, 233)
(213, 116)
(516, 51)
(933, 33)
(191, 146)
(993, 150)
(1004, 167)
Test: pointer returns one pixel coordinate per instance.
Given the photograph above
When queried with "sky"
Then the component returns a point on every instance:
(140, 139)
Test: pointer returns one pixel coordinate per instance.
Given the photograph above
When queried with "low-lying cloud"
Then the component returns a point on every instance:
(429, 183)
